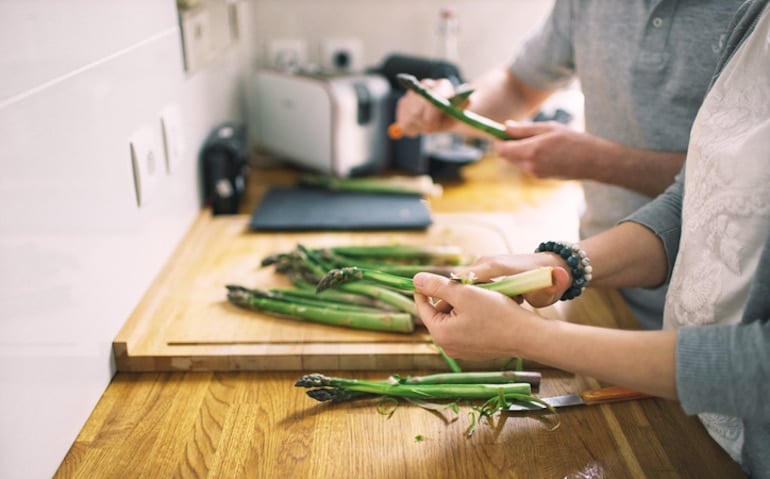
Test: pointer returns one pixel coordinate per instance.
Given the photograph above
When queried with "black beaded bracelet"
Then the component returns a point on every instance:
(578, 262)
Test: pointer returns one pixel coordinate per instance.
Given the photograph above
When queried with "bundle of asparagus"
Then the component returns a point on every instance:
(497, 389)
(361, 304)
(364, 287)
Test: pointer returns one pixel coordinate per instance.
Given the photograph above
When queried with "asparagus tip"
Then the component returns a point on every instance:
(311, 381)
(323, 394)
(237, 294)
(337, 276)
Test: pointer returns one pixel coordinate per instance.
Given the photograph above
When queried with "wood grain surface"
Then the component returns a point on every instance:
(186, 323)
(256, 424)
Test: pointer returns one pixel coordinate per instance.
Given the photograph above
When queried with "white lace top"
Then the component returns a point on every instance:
(726, 208)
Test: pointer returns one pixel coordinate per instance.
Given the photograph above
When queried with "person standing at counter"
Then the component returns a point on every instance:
(707, 235)
(643, 68)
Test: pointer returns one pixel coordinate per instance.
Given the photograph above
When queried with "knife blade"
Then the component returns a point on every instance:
(462, 93)
(586, 398)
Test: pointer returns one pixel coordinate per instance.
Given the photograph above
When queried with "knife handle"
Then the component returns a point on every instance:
(611, 394)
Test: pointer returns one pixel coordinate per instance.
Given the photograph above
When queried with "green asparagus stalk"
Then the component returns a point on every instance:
(302, 299)
(354, 273)
(513, 285)
(399, 185)
(374, 320)
(483, 377)
(306, 290)
(398, 268)
(532, 378)
(435, 255)
(475, 120)
(326, 388)
(318, 267)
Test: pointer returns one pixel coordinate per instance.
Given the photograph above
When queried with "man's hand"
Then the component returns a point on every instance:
(553, 150)
(416, 116)
(548, 150)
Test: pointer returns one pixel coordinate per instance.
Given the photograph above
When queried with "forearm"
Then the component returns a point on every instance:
(642, 360)
(628, 255)
(648, 172)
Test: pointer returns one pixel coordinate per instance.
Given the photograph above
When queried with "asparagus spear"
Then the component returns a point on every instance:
(398, 185)
(318, 267)
(398, 268)
(374, 320)
(484, 377)
(481, 377)
(513, 285)
(300, 299)
(434, 255)
(326, 388)
(306, 290)
(475, 120)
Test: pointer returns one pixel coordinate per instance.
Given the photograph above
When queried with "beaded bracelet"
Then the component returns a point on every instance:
(578, 262)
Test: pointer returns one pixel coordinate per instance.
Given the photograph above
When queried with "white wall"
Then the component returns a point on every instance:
(490, 30)
(77, 77)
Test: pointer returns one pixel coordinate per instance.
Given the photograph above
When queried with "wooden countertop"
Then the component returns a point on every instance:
(257, 424)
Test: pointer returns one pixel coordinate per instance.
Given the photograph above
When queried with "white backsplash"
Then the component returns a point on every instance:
(77, 78)
(489, 30)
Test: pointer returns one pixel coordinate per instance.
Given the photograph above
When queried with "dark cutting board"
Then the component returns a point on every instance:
(316, 209)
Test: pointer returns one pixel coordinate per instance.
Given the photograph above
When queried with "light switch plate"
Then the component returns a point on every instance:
(172, 132)
(146, 163)
(196, 37)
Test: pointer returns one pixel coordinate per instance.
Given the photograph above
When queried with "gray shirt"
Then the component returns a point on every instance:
(725, 369)
(644, 67)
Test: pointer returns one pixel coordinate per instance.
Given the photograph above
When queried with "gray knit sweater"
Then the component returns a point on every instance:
(724, 369)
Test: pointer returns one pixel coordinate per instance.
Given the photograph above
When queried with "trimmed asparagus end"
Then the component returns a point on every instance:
(514, 285)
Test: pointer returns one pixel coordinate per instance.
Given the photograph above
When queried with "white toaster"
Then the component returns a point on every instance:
(329, 124)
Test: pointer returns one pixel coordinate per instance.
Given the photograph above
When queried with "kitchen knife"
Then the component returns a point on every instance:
(585, 398)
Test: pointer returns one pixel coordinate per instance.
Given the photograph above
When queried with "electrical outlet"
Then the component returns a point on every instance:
(172, 135)
(146, 163)
(342, 55)
(287, 54)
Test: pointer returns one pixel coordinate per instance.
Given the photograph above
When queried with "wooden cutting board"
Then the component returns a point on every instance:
(185, 322)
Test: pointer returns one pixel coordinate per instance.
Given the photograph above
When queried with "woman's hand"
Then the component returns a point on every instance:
(487, 268)
(480, 325)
